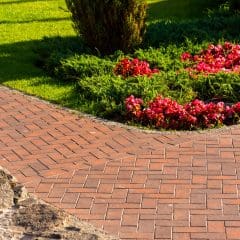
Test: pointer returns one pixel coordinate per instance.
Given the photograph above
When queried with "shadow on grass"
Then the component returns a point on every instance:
(18, 67)
(36, 20)
(219, 26)
(182, 9)
(19, 60)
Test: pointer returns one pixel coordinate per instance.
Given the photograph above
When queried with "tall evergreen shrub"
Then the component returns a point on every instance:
(109, 25)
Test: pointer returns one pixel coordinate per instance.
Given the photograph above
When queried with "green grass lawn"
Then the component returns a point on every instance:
(23, 23)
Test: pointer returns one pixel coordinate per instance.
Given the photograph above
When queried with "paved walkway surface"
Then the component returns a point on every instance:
(134, 184)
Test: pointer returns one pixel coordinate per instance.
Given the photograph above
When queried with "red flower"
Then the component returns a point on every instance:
(214, 59)
(134, 106)
(166, 113)
(186, 56)
(134, 67)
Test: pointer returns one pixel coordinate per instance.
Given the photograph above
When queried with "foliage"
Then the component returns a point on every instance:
(109, 25)
(221, 86)
(80, 66)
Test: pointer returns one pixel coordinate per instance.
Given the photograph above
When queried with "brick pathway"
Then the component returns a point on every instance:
(135, 184)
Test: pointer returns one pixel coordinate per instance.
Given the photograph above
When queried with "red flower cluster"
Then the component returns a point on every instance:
(214, 59)
(168, 114)
(134, 67)
(134, 105)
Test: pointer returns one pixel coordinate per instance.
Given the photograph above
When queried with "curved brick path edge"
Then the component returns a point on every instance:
(134, 184)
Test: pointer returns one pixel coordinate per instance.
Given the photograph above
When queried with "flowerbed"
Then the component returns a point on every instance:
(214, 59)
(169, 114)
(198, 87)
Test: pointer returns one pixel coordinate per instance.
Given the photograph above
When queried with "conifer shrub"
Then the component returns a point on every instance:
(109, 25)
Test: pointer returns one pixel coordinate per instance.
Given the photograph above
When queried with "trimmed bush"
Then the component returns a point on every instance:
(109, 25)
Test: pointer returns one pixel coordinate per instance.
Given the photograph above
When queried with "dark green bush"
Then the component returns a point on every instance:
(235, 5)
(109, 25)
(217, 26)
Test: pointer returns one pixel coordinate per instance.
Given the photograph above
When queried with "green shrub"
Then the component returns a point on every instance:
(108, 92)
(164, 58)
(222, 86)
(109, 25)
(103, 93)
(79, 66)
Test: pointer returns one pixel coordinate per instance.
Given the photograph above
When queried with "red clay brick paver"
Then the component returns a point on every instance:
(135, 184)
